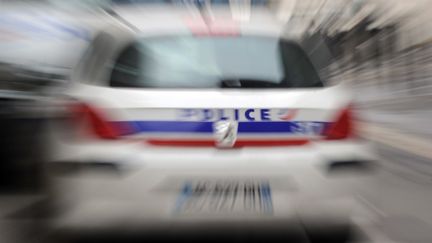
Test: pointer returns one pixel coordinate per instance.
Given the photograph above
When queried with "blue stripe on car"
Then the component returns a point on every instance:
(133, 127)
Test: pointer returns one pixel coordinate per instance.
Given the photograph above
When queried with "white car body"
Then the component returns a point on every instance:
(175, 145)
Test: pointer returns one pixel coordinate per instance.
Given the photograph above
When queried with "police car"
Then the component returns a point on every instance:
(212, 121)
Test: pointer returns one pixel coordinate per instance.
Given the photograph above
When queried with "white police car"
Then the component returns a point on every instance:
(221, 122)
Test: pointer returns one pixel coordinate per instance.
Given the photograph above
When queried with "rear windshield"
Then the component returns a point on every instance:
(213, 62)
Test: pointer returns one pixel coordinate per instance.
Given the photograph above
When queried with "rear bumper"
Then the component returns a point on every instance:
(138, 169)
(140, 154)
(141, 191)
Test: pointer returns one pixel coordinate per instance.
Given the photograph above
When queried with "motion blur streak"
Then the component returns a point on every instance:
(65, 176)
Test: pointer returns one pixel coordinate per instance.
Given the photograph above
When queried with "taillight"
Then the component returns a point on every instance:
(94, 120)
(342, 128)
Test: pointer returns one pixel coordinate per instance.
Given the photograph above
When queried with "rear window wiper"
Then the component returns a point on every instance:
(247, 83)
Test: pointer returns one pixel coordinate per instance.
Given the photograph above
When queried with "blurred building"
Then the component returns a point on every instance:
(385, 45)
(382, 47)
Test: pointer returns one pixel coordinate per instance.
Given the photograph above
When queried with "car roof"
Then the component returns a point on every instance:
(186, 19)
(139, 21)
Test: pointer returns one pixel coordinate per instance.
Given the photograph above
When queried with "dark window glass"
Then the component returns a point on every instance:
(211, 62)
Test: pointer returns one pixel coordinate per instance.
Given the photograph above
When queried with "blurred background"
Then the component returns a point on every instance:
(382, 48)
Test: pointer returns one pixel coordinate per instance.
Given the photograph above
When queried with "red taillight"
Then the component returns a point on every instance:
(94, 120)
(342, 128)
(208, 27)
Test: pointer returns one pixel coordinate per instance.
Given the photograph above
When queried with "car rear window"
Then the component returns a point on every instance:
(213, 62)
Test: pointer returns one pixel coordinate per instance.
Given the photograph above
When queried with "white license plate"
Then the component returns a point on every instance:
(231, 197)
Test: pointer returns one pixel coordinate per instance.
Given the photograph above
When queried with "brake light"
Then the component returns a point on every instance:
(342, 128)
(94, 121)
(209, 27)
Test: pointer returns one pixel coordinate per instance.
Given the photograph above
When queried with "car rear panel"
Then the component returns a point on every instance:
(188, 117)
(155, 181)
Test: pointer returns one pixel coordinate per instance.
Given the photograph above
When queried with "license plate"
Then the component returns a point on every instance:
(232, 197)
